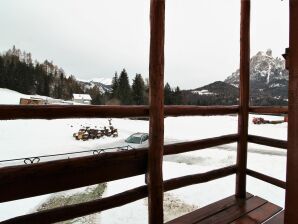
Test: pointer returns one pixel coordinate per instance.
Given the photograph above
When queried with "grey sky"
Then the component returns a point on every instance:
(95, 38)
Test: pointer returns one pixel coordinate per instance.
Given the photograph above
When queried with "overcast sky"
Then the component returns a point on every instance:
(95, 38)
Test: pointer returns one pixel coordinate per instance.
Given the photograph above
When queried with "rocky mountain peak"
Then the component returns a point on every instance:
(268, 79)
(264, 70)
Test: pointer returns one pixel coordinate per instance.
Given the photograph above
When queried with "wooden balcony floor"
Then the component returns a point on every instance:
(251, 210)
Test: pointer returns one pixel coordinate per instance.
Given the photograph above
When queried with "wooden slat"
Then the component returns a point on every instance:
(208, 211)
(198, 178)
(243, 99)
(268, 110)
(268, 141)
(47, 175)
(266, 178)
(199, 144)
(82, 209)
(86, 208)
(234, 212)
(278, 219)
(200, 110)
(154, 176)
(259, 215)
(8, 112)
(291, 214)
(36, 179)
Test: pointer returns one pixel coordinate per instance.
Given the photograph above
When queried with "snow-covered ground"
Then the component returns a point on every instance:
(12, 97)
(26, 138)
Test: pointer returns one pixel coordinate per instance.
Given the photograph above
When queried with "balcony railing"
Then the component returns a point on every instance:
(25, 181)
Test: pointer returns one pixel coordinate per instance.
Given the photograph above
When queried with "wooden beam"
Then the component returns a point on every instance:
(11, 112)
(42, 178)
(8, 112)
(156, 98)
(77, 210)
(243, 99)
(47, 177)
(291, 214)
(199, 144)
(176, 111)
(266, 178)
(268, 110)
(87, 208)
(268, 141)
(184, 181)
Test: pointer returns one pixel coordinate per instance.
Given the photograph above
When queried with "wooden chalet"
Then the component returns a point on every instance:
(17, 182)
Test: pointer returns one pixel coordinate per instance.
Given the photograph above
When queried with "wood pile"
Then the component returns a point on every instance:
(87, 133)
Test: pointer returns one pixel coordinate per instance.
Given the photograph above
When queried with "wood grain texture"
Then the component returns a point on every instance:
(243, 99)
(207, 211)
(291, 214)
(156, 112)
(234, 212)
(277, 219)
(259, 215)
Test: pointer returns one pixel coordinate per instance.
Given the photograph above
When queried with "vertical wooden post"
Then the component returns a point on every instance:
(156, 131)
(243, 99)
(291, 207)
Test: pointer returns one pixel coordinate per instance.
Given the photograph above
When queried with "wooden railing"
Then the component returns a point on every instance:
(47, 177)
(8, 112)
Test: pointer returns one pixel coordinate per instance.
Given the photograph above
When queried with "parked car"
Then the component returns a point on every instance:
(137, 138)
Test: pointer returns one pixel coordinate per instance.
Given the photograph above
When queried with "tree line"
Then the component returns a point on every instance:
(19, 72)
(138, 93)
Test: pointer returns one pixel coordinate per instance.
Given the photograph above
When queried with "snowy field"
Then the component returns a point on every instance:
(41, 137)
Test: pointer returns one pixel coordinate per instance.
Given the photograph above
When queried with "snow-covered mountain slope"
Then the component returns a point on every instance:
(103, 84)
(8, 96)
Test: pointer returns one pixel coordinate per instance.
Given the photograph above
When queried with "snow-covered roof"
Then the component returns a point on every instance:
(81, 97)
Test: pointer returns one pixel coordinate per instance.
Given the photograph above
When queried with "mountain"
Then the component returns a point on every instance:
(104, 84)
(217, 93)
(268, 80)
(268, 85)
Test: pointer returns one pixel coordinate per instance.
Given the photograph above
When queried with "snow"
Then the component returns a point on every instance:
(276, 85)
(41, 137)
(105, 81)
(203, 92)
(81, 97)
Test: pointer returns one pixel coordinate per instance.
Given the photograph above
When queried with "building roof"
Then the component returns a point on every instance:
(81, 97)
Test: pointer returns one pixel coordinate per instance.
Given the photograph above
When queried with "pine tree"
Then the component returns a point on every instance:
(115, 87)
(124, 88)
(138, 90)
(168, 96)
(177, 96)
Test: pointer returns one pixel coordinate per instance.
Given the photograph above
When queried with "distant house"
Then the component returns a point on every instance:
(32, 101)
(82, 98)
